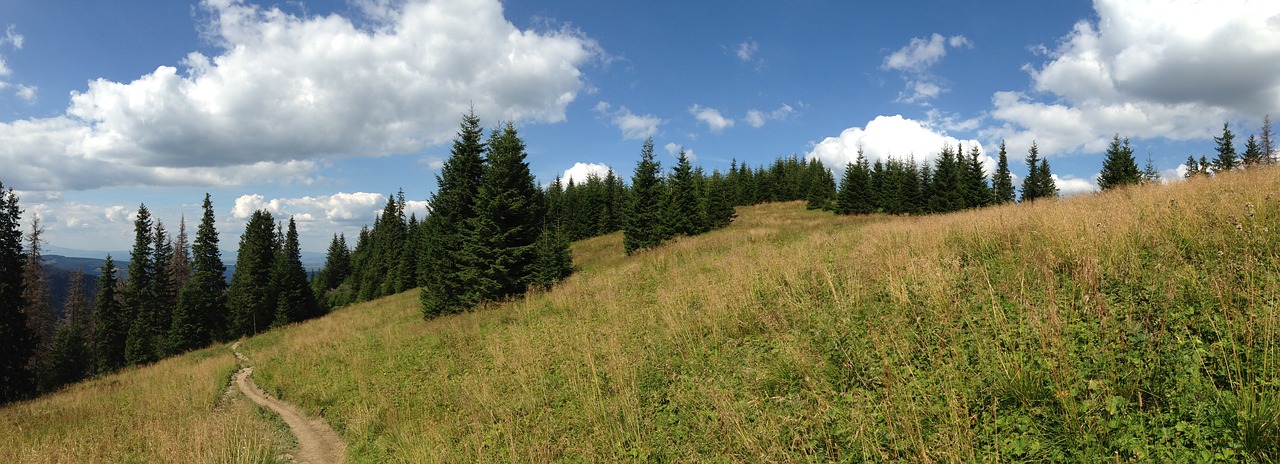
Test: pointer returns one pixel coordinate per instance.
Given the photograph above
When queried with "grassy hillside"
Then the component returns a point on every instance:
(1136, 325)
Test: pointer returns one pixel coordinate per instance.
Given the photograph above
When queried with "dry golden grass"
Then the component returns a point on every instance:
(172, 411)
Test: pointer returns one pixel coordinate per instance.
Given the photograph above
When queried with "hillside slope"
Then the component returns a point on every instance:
(1139, 324)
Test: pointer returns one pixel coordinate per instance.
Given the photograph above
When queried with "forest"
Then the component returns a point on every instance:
(492, 234)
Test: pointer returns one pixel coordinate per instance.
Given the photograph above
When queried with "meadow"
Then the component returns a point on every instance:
(1134, 325)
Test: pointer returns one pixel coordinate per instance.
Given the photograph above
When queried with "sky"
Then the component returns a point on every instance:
(320, 109)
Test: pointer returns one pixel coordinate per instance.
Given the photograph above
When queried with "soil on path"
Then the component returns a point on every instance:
(317, 442)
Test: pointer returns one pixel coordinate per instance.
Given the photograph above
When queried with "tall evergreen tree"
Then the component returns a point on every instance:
(720, 210)
(441, 272)
(854, 196)
(684, 212)
(111, 322)
(1150, 175)
(294, 300)
(41, 320)
(1267, 140)
(644, 227)
(201, 314)
(1193, 167)
(139, 292)
(1002, 183)
(163, 291)
(1039, 180)
(1226, 149)
(1252, 155)
(552, 260)
(1044, 177)
(508, 222)
(251, 304)
(337, 267)
(1119, 167)
(70, 359)
(821, 188)
(977, 191)
(949, 189)
(16, 343)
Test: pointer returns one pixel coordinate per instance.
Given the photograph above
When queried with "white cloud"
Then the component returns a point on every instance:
(747, 49)
(633, 126)
(915, 58)
(26, 92)
(757, 119)
(580, 172)
(12, 37)
(341, 207)
(287, 89)
(714, 120)
(889, 136)
(1069, 185)
(1149, 68)
(674, 151)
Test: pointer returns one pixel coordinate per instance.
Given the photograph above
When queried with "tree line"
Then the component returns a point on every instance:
(173, 297)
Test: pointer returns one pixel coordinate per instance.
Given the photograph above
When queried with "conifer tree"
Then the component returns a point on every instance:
(1039, 180)
(508, 223)
(201, 314)
(139, 292)
(1150, 175)
(337, 267)
(978, 192)
(111, 322)
(70, 359)
(821, 188)
(1226, 149)
(179, 268)
(1119, 167)
(1252, 155)
(720, 210)
(854, 196)
(552, 260)
(1044, 177)
(1266, 141)
(163, 291)
(294, 300)
(949, 189)
(16, 343)
(1002, 183)
(441, 272)
(251, 303)
(1193, 167)
(684, 212)
(41, 320)
(644, 227)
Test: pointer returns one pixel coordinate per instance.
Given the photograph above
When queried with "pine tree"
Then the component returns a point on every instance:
(70, 359)
(179, 268)
(164, 292)
(139, 293)
(16, 343)
(328, 285)
(854, 196)
(452, 206)
(644, 227)
(684, 212)
(978, 192)
(509, 220)
(1039, 180)
(41, 320)
(1002, 183)
(821, 186)
(201, 314)
(250, 302)
(294, 300)
(1226, 149)
(1045, 179)
(1193, 167)
(1252, 155)
(552, 260)
(1119, 167)
(111, 322)
(949, 189)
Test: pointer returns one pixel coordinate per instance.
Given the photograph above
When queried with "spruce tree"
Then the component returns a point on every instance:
(1266, 141)
(978, 192)
(553, 261)
(1193, 167)
(337, 267)
(1226, 149)
(644, 227)
(294, 300)
(500, 240)
(1119, 167)
(164, 292)
(854, 196)
(720, 210)
(1039, 181)
(251, 302)
(201, 314)
(441, 272)
(949, 189)
(684, 212)
(1002, 183)
(139, 292)
(16, 343)
(1044, 178)
(111, 321)
(1252, 155)
(821, 186)
(1150, 175)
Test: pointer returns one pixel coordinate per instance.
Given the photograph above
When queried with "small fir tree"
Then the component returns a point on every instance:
(644, 226)
(1226, 149)
(1119, 167)
(1002, 182)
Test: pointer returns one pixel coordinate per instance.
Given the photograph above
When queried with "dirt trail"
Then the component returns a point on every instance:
(317, 442)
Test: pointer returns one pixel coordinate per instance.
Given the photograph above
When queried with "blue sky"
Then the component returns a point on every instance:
(318, 109)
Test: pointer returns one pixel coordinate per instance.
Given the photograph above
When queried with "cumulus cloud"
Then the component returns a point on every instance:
(26, 92)
(715, 122)
(915, 59)
(288, 89)
(1148, 68)
(633, 126)
(889, 137)
(674, 151)
(341, 207)
(1069, 185)
(580, 172)
(757, 119)
(15, 40)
